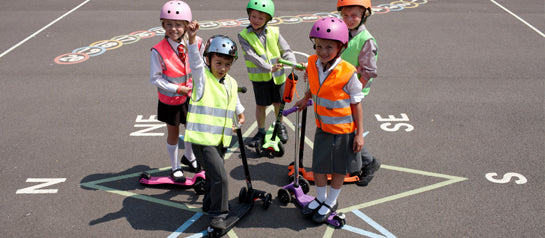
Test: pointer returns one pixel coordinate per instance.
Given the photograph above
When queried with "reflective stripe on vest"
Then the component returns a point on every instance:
(270, 53)
(332, 104)
(210, 120)
(352, 52)
(174, 71)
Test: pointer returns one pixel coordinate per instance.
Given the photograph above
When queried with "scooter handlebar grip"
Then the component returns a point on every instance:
(283, 61)
(293, 109)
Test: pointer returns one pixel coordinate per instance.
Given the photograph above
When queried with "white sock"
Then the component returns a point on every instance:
(173, 154)
(331, 199)
(321, 195)
(189, 154)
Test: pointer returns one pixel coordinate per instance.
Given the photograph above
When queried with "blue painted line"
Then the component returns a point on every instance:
(374, 224)
(187, 224)
(361, 232)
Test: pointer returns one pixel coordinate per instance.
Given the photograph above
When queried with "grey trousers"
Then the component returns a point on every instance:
(216, 196)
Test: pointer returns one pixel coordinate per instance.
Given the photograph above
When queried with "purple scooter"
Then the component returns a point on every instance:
(300, 186)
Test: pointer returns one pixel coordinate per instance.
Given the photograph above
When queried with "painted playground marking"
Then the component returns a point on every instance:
(329, 231)
(73, 58)
(43, 28)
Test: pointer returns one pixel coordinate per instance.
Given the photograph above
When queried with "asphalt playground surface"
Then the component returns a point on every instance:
(456, 116)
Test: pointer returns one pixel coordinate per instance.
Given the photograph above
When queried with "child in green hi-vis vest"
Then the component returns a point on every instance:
(362, 53)
(213, 107)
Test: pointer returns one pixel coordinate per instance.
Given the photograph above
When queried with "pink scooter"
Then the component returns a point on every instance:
(197, 182)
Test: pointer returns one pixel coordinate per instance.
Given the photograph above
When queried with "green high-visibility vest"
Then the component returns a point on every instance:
(353, 50)
(270, 53)
(210, 118)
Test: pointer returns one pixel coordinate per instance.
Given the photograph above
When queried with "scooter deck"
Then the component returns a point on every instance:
(234, 216)
(150, 180)
(309, 175)
(269, 147)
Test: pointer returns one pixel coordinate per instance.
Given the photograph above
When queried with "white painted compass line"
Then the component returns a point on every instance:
(43, 28)
(519, 18)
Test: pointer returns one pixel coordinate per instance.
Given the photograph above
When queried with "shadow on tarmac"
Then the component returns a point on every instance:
(143, 214)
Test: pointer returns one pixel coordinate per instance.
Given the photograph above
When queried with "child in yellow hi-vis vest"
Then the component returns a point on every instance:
(263, 46)
(337, 94)
(213, 106)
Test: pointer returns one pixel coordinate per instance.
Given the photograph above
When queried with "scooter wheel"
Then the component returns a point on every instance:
(267, 200)
(280, 151)
(305, 185)
(144, 175)
(199, 185)
(212, 233)
(284, 196)
(339, 220)
(242, 195)
(258, 148)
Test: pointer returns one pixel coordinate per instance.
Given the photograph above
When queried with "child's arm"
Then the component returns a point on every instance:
(302, 104)
(156, 74)
(196, 62)
(252, 56)
(354, 89)
(367, 62)
(239, 110)
(357, 113)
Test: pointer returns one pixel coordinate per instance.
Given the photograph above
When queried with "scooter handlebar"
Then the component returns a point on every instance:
(293, 109)
(283, 61)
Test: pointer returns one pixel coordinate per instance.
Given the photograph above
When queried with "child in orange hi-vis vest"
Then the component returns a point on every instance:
(170, 73)
(337, 94)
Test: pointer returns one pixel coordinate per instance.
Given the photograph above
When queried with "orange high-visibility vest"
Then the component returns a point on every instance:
(331, 103)
(174, 71)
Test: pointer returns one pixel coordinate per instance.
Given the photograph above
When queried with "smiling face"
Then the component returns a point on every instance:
(327, 50)
(352, 16)
(220, 64)
(174, 29)
(258, 19)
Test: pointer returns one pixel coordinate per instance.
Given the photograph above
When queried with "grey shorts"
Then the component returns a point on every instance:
(333, 153)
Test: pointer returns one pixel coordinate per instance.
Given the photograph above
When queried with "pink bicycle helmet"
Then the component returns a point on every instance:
(330, 28)
(176, 10)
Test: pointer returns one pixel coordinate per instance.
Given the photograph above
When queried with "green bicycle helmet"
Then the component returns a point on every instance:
(266, 6)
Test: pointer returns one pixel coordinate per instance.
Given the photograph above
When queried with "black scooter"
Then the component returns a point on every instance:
(247, 195)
